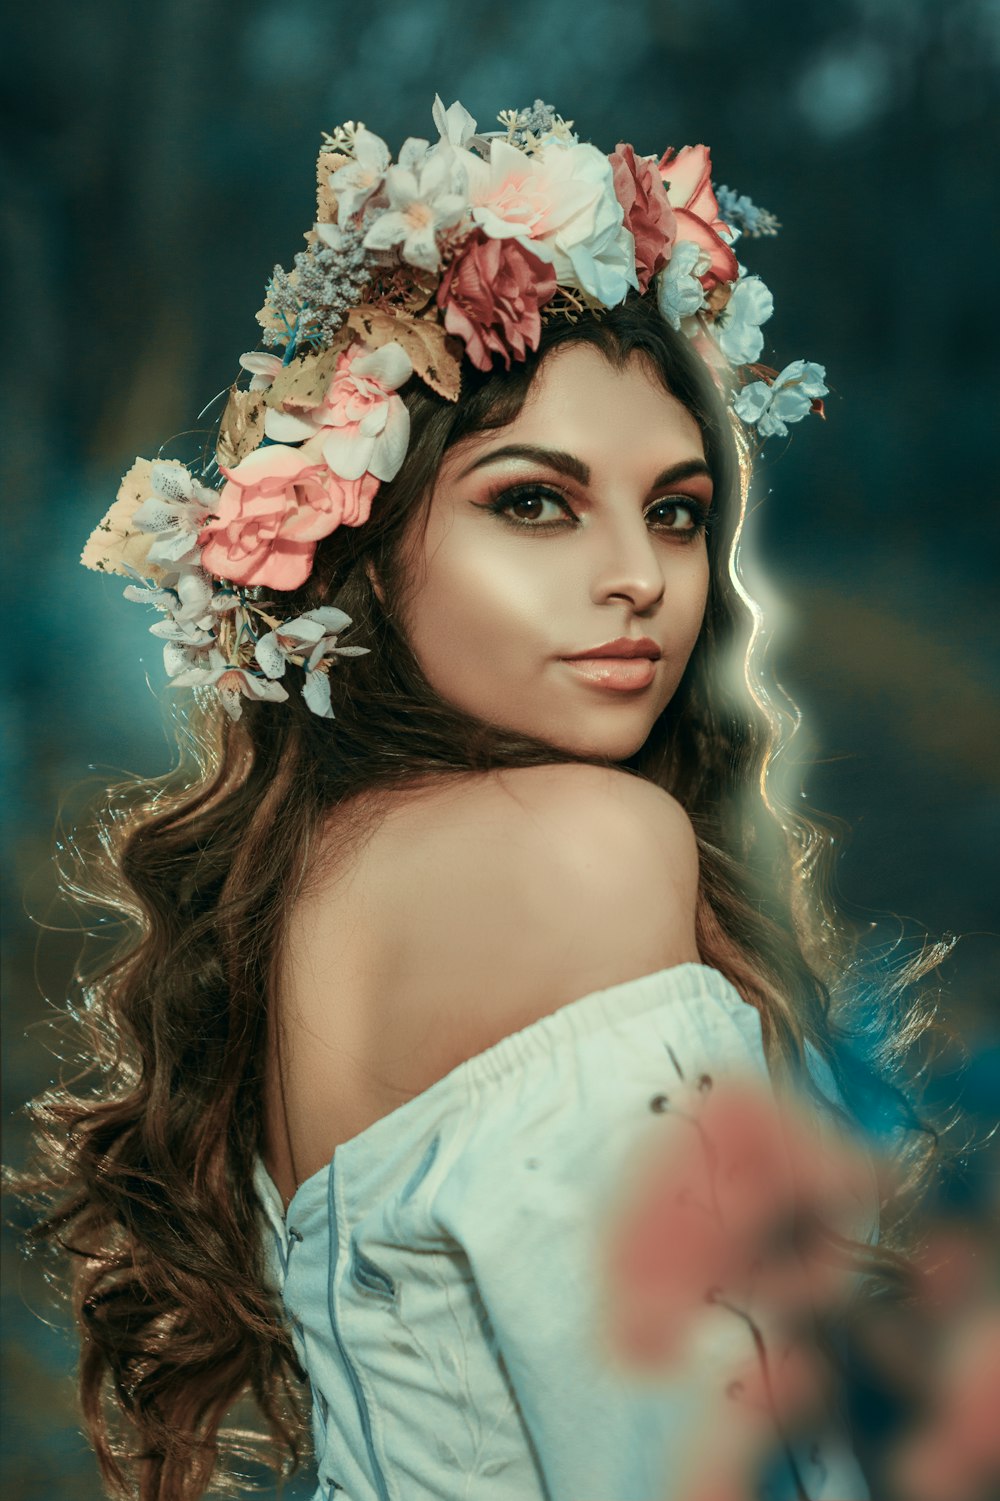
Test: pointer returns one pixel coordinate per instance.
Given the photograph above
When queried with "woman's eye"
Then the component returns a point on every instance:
(526, 507)
(679, 515)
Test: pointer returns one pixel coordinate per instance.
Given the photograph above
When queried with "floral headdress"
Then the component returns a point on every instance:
(460, 248)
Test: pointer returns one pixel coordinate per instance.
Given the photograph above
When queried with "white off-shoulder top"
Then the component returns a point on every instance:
(441, 1274)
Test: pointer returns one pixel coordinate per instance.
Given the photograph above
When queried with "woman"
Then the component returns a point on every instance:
(428, 937)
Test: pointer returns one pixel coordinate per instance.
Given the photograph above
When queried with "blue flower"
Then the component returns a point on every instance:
(787, 399)
(745, 217)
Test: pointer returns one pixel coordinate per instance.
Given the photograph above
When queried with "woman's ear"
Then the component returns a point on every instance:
(375, 581)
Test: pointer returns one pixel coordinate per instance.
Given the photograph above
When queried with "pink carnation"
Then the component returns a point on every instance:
(491, 295)
(648, 215)
(687, 175)
(275, 506)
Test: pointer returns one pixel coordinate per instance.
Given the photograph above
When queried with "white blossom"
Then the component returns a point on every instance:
(179, 656)
(679, 292)
(145, 592)
(425, 192)
(316, 692)
(455, 124)
(355, 183)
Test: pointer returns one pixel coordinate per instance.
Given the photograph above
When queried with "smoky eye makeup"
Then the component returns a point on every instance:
(544, 508)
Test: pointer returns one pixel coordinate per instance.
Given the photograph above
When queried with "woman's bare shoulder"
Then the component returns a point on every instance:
(521, 890)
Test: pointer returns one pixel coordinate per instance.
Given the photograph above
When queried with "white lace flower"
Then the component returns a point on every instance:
(176, 512)
(355, 183)
(679, 292)
(787, 399)
(145, 592)
(231, 683)
(179, 657)
(313, 636)
(426, 195)
(298, 637)
(187, 633)
(186, 597)
(193, 591)
(737, 327)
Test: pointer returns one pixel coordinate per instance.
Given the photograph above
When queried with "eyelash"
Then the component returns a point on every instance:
(500, 501)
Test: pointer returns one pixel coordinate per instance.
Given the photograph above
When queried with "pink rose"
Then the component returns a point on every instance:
(275, 506)
(648, 215)
(687, 176)
(363, 423)
(491, 295)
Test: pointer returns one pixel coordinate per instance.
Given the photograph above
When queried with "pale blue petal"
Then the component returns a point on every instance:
(270, 656)
(330, 618)
(316, 692)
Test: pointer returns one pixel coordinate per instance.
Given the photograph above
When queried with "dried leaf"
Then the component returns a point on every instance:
(113, 542)
(420, 291)
(268, 318)
(242, 427)
(303, 384)
(436, 356)
(326, 202)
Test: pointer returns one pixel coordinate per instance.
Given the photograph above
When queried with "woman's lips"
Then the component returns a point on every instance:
(618, 673)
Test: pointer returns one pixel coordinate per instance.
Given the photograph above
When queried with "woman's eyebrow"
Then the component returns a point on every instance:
(568, 464)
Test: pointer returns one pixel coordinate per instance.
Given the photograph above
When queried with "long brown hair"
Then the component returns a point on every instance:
(147, 1156)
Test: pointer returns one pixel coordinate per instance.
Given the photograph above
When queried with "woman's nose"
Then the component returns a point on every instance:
(627, 566)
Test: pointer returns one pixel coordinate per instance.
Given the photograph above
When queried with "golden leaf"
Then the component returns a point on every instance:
(114, 542)
(303, 384)
(435, 355)
(241, 428)
(326, 201)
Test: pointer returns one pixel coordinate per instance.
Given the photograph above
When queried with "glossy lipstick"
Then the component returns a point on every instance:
(620, 665)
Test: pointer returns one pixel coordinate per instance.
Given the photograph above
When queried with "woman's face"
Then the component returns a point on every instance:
(580, 523)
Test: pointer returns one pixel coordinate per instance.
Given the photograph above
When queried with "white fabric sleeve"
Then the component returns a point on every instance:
(527, 1198)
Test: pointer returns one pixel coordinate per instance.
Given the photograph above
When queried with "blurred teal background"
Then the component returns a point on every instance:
(159, 160)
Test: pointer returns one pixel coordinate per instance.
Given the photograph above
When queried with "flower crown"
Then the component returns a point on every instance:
(460, 248)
